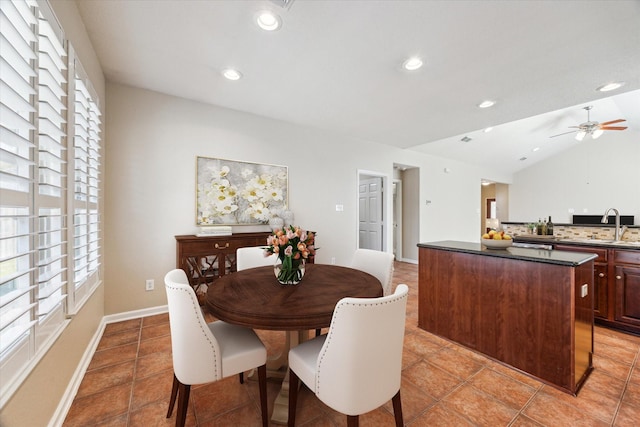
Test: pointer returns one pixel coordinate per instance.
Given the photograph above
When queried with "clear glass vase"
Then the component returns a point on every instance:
(289, 271)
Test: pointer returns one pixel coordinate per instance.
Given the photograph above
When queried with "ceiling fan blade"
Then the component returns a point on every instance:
(612, 122)
(613, 127)
(571, 131)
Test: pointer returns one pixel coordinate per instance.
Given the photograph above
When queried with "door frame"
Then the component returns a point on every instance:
(397, 219)
(387, 201)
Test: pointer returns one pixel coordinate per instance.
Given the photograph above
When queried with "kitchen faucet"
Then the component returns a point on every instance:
(619, 231)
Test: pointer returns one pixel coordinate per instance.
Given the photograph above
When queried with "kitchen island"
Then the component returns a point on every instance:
(531, 309)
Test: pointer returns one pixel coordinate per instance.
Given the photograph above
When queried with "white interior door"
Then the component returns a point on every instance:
(370, 212)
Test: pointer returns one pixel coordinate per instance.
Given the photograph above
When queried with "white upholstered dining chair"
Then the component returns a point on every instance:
(355, 367)
(376, 263)
(204, 353)
(253, 256)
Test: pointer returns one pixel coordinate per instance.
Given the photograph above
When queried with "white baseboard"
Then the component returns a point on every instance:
(74, 384)
(410, 261)
(72, 388)
(135, 314)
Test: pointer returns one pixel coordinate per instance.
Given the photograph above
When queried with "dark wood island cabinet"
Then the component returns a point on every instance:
(531, 309)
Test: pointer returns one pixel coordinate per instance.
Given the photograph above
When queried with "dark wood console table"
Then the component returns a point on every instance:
(205, 259)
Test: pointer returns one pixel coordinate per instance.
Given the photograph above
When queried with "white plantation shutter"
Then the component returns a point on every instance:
(86, 170)
(42, 108)
(52, 140)
(18, 118)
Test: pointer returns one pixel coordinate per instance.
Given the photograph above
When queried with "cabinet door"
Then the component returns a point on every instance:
(600, 291)
(627, 294)
(600, 277)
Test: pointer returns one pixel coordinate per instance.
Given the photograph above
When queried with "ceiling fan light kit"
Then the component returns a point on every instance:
(594, 129)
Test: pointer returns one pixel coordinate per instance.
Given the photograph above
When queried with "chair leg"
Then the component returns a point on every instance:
(262, 383)
(397, 409)
(174, 393)
(353, 420)
(183, 404)
(293, 398)
(241, 375)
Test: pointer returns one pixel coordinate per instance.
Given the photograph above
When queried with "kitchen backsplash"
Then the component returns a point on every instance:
(575, 232)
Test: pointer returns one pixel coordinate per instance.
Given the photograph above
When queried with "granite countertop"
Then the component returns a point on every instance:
(521, 254)
(550, 240)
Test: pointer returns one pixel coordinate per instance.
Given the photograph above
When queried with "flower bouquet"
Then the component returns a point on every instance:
(293, 246)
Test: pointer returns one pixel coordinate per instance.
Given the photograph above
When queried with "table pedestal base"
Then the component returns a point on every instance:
(280, 413)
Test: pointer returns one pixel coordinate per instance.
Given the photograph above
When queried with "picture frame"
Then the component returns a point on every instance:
(230, 192)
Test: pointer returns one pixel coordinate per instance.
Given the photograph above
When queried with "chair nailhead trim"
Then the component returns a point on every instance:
(336, 313)
(195, 309)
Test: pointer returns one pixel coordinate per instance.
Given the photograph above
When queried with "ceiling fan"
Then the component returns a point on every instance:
(594, 129)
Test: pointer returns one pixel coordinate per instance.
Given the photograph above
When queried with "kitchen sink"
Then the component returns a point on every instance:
(623, 243)
(605, 242)
(591, 241)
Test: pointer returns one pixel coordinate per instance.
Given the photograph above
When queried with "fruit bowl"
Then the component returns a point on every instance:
(497, 244)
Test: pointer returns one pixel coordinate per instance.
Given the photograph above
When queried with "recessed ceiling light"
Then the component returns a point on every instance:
(610, 86)
(535, 149)
(487, 130)
(232, 74)
(412, 63)
(486, 104)
(268, 21)
(522, 159)
(465, 139)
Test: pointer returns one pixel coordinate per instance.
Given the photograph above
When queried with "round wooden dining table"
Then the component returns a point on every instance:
(254, 298)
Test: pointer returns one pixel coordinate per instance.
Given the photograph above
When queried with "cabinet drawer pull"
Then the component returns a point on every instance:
(618, 277)
(226, 245)
(601, 275)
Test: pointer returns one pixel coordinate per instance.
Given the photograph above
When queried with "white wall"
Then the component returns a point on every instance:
(153, 141)
(589, 178)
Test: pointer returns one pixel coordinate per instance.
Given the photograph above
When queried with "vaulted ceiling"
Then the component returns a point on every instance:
(336, 65)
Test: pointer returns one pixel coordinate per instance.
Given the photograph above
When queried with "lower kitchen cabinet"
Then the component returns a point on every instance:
(627, 289)
(616, 301)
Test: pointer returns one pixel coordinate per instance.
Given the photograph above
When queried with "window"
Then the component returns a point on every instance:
(43, 104)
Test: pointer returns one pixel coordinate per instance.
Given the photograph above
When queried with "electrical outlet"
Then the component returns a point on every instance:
(333, 260)
(149, 285)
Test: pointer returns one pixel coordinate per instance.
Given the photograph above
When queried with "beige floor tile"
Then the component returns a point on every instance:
(117, 339)
(479, 407)
(503, 388)
(100, 406)
(102, 378)
(113, 356)
(430, 379)
(441, 415)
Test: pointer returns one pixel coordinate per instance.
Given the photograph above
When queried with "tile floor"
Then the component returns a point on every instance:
(129, 380)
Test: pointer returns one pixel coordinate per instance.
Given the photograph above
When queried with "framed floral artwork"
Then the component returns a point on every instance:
(230, 192)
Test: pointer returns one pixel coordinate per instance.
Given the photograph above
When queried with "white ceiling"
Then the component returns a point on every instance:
(335, 65)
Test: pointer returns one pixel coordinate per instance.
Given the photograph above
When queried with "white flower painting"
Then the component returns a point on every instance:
(231, 192)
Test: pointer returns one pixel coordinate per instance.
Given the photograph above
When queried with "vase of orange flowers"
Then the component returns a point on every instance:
(293, 247)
